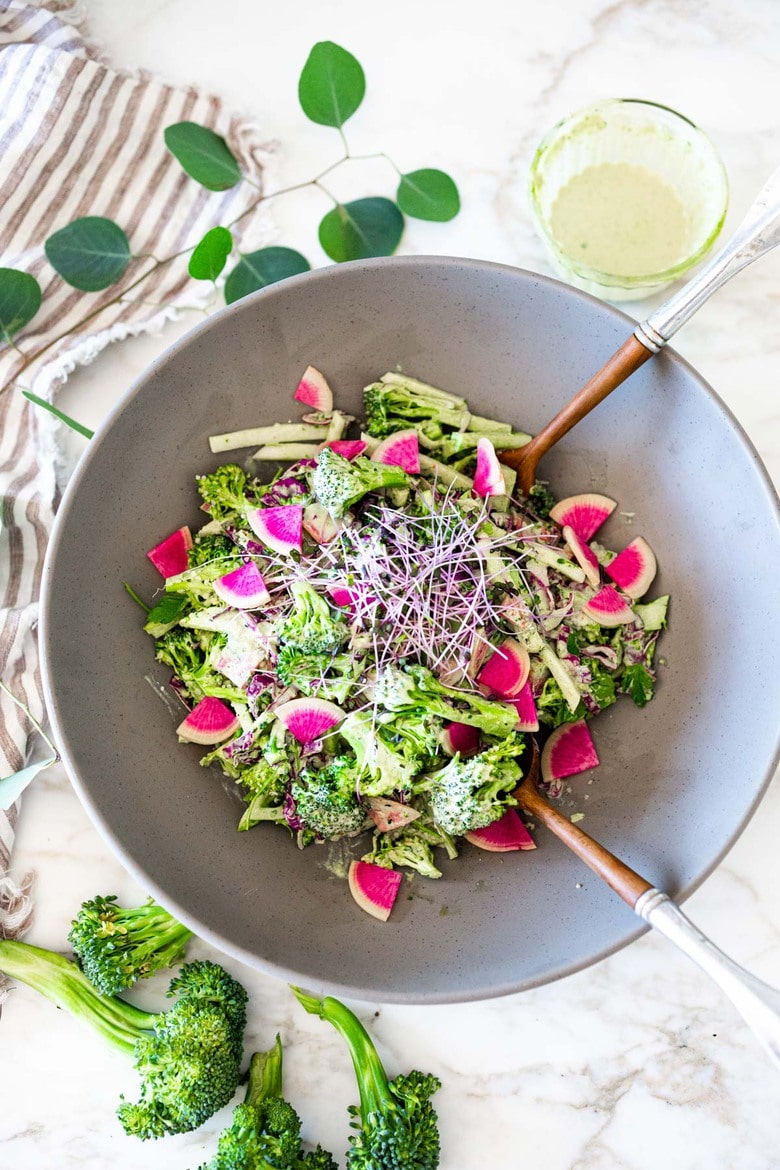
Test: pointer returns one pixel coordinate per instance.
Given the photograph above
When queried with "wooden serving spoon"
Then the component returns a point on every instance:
(756, 1002)
(758, 233)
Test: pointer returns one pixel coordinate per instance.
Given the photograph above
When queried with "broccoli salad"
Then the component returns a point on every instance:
(365, 640)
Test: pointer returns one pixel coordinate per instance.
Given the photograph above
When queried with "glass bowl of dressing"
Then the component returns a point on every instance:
(627, 195)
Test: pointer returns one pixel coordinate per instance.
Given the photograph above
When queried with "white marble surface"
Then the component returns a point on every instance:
(637, 1063)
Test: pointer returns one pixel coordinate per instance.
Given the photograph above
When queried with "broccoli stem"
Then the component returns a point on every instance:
(444, 474)
(65, 985)
(254, 436)
(425, 388)
(265, 1074)
(373, 1084)
(286, 452)
(488, 426)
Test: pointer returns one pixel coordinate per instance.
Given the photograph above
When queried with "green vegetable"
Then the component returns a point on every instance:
(325, 799)
(265, 1130)
(339, 483)
(395, 406)
(638, 682)
(183, 650)
(224, 491)
(188, 1057)
(416, 689)
(116, 945)
(310, 628)
(396, 1124)
(470, 794)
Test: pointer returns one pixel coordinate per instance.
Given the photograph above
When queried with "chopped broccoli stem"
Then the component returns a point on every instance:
(256, 436)
(286, 452)
(433, 469)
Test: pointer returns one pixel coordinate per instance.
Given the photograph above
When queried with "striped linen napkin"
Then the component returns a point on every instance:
(78, 138)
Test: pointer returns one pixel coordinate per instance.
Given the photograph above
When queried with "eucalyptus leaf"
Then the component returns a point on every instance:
(258, 269)
(20, 300)
(91, 253)
(12, 787)
(332, 85)
(428, 194)
(204, 155)
(210, 255)
(52, 409)
(362, 228)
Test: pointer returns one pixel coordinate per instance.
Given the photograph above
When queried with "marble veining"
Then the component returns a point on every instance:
(637, 1063)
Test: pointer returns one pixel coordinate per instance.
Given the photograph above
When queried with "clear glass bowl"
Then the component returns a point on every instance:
(645, 135)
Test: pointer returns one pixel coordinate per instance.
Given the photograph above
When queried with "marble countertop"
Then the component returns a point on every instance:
(636, 1063)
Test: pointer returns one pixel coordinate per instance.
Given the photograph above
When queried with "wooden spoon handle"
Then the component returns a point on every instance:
(628, 884)
(631, 355)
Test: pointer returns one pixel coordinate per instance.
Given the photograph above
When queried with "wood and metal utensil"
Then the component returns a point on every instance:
(758, 233)
(756, 1002)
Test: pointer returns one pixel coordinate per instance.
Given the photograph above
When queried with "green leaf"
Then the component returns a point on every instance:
(258, 269)
(332, 85)
(165, 614)
(52, 409)
(428, 194)
(20, 300)
(363, 228)
(637, 682)
(204, 155)
(12, 787)
(91, 253)
(210, 255)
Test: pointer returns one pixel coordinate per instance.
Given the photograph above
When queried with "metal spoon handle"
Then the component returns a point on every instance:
(756, 1002)
(758, 233)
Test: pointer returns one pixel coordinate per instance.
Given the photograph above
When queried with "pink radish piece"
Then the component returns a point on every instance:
(634, 568)
(608, 608)
(502, 836)
(568, 751)
(314, 391)
(390, 814)
(374, 888)
(346, 448)
(488, 478)
(309, 719)
(523, 703)
(210, 721)
(279, 528)
(346, 598)
(460, 739)
(401, 449)
(585, 513)
(506, 671)
(583, 556)
(319, 523)
(170, 555)
(244, 587)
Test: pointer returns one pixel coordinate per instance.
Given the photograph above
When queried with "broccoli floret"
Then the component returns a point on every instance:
(396, 1125)
(417, 733)
(210, 548)
(338, 483)
(115, 945)
(470, 794)
(541, 500)
(182, 650)
(265, 1133)
(395, 406)
(324, 675)
(309, 628)
(188, 1056)
(383, 768)
(412, 846)
(264, 784)
(415, 688)
(224, 491)
(196, 583)
(326, 800)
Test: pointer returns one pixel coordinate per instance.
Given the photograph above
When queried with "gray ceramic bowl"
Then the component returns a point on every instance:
(678, 780)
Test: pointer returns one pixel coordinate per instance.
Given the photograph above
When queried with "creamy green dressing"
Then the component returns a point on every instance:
(620, 219)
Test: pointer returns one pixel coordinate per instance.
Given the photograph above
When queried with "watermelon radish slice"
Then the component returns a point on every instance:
(210, 721)
(506, 671)
(401, 449)
(502, 836)
(608, 608)
(319, 523)
(568, 751)
(280, 529)
(309, 719)
(243, 588)
(584, 557)
(523, 702)
(346, 448)
(170, 555)
(390, 814)
(585, 513)
(314, 391)
(374, 888)
(634, 568)
(489, 476)
(460, 739)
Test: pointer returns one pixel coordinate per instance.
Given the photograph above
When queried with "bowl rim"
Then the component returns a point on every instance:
(135, 868)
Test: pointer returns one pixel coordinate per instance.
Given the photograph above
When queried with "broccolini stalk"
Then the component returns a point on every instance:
(188, 1057)
(115, 946)
(397, 1127)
